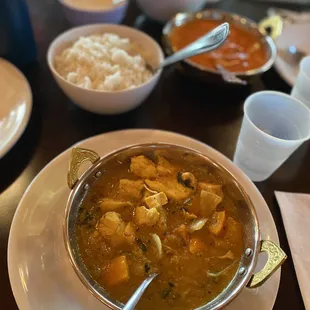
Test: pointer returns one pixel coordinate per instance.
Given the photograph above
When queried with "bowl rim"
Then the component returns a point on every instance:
(112, 304)
(93, 11)
(56, 43)
(235, 19)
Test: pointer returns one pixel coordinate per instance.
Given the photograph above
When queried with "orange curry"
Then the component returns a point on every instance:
(161, 213)
(242, 50)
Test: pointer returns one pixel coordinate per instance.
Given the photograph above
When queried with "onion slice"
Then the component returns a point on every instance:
(148, 189)
(217, 274)
(197, 224)
(158, 244)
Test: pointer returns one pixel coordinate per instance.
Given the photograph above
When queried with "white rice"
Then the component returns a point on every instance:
(103, 62)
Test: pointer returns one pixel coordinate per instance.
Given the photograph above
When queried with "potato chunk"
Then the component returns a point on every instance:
(217, 222)
(130, 189)
(117, 272)
(208, 202)
(108, 204)
(212, 188)
(171, 187)
(144, 216)
(157, 200)
(143, 167)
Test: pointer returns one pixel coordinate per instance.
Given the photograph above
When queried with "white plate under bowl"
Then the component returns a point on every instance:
(297, 35)
(40, 272)
(15, 107)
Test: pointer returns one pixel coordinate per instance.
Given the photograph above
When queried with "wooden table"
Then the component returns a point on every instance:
(209, 114)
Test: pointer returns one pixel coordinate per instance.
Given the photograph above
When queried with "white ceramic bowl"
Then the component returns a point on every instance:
(167, 9)
(78, 17)
(104, 102)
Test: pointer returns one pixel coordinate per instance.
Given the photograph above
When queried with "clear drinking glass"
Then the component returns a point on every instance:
(274, 126)
(301, 89)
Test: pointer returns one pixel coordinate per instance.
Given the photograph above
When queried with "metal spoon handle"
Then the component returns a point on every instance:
(134, 299)
(206, 43)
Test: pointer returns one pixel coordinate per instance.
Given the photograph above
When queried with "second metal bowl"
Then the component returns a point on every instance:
(194, 70)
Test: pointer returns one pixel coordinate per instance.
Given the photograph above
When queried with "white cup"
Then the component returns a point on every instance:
(273, 127)
(301, 89)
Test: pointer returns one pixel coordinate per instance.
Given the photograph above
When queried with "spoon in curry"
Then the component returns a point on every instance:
(206, 43)
(134, 299)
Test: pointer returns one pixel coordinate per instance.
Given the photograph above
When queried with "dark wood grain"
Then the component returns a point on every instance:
(207, 113)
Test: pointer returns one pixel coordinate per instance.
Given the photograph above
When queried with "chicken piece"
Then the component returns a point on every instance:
(228, 255)
(164, 167)
(171, 187)
(196, 246)
(183, 232)
(157, 185)
(117, 272)
(157, 200)
(189, 216)
(108, 204)
(208, 202)
(109, 224)
(143, 167)
(217, 222)
(148, 217)
(112, 227)
(212, 188)
(129, 233)
(130, 189)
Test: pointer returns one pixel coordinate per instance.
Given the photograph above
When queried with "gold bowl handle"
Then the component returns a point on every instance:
(77, 158)
(274, 23)
(276, 257)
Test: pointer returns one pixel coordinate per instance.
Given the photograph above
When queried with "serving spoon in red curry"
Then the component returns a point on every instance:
(207, 43)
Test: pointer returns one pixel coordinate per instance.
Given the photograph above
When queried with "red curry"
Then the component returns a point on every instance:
(242, 50)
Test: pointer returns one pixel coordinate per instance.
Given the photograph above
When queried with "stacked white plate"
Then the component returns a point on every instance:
(15, 106)
(298, 36)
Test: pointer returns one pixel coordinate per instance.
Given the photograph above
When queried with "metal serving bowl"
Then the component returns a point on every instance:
(195, 70)
(244, 277)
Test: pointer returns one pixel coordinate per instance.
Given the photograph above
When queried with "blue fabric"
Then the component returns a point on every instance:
(17, 42)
